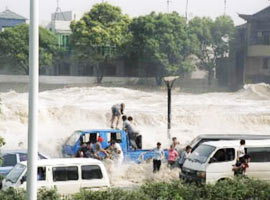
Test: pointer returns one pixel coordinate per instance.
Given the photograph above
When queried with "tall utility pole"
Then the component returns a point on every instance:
(186, 10)
(33, 102)
(168, 5)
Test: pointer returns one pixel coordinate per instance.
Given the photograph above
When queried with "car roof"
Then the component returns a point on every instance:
(24, 151)
(66, 161)
(236, 143)
(98, 130)
(233, 136)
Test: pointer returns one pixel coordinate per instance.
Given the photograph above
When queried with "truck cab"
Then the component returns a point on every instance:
(72, 145)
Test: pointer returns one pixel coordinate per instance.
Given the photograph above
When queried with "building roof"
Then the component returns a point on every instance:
(262, 14)
(8, 14)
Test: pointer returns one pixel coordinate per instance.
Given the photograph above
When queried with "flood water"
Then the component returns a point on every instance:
(61, 111)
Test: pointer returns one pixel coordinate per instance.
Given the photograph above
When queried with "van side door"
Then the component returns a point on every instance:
(220, 165)
(66, 179)
(259, 165)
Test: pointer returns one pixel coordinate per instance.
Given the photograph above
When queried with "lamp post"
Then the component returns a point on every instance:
(169, 81)
(33, 102)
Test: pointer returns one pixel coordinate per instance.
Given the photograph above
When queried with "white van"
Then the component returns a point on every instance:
(68, 175)
(213, 161)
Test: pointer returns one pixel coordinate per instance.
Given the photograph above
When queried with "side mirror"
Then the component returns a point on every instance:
(23, 179)
(212, 160)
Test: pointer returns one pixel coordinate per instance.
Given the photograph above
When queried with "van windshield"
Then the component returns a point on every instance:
(201, 153)
(73, 138)
(15, 173)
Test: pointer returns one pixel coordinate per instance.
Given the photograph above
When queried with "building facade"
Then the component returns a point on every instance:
(10, 19)
(253, 48)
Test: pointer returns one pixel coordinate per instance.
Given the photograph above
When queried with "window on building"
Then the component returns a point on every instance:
(259, 154)
(224, 155)
(266, 39)
(265, 63)
(91, 172)
(65, 173)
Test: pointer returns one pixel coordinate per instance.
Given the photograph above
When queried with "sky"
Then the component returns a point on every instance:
(210, 8)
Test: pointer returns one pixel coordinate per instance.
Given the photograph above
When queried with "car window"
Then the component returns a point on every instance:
(73, 138)
(114, 136)
(65, 173)
(259, 154)
(9, 160)
(224, 155)
(202, 153)
(41, 173)
(91, 172)
(23, 157)
(15, 173)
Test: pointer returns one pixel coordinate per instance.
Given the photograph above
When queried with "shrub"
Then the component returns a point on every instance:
(238, 189)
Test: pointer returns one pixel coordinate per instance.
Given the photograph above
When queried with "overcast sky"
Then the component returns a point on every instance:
(211, 8)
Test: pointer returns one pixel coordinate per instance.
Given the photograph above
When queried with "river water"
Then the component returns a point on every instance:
(64, 110)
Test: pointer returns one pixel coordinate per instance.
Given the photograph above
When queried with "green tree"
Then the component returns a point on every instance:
(97, 35)
(214, 40)
(161, 41)
(14, 47)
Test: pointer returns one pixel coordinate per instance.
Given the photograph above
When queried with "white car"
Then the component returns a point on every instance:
(213, 161)
(68, 175)
(11, 157)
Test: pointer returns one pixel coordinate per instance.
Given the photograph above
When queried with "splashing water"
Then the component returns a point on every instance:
(61, 111)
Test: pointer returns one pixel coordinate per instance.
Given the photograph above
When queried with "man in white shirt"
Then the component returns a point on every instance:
(241, 151)
(117, 152)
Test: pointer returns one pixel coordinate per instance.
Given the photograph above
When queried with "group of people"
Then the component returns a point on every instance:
(133, 134)
(242, 160)
(95, 150)
(176, 158)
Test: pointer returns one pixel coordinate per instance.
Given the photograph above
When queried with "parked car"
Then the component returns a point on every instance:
(217, 137)
(213, 161)
(68, 175)
(11, 157)
(72, 145)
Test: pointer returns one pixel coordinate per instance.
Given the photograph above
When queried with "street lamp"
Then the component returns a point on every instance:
(169, 81)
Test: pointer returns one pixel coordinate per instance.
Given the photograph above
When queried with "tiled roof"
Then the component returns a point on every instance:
(8, 14)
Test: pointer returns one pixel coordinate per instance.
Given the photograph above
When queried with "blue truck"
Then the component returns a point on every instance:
(72, 145)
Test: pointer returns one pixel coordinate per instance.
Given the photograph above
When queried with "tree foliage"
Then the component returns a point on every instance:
(161, 40)
(14, 47)
(98, 33)
(214, 38)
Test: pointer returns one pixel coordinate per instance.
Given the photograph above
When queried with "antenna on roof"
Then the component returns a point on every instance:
(186, 13)
(225, 7)
(168, 5)
(58, 11)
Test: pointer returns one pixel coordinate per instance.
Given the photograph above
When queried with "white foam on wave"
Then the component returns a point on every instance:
(62, 111)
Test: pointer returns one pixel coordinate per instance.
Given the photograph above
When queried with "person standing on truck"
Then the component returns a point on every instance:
(131, 132)
(117, 111)
(157, 158)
